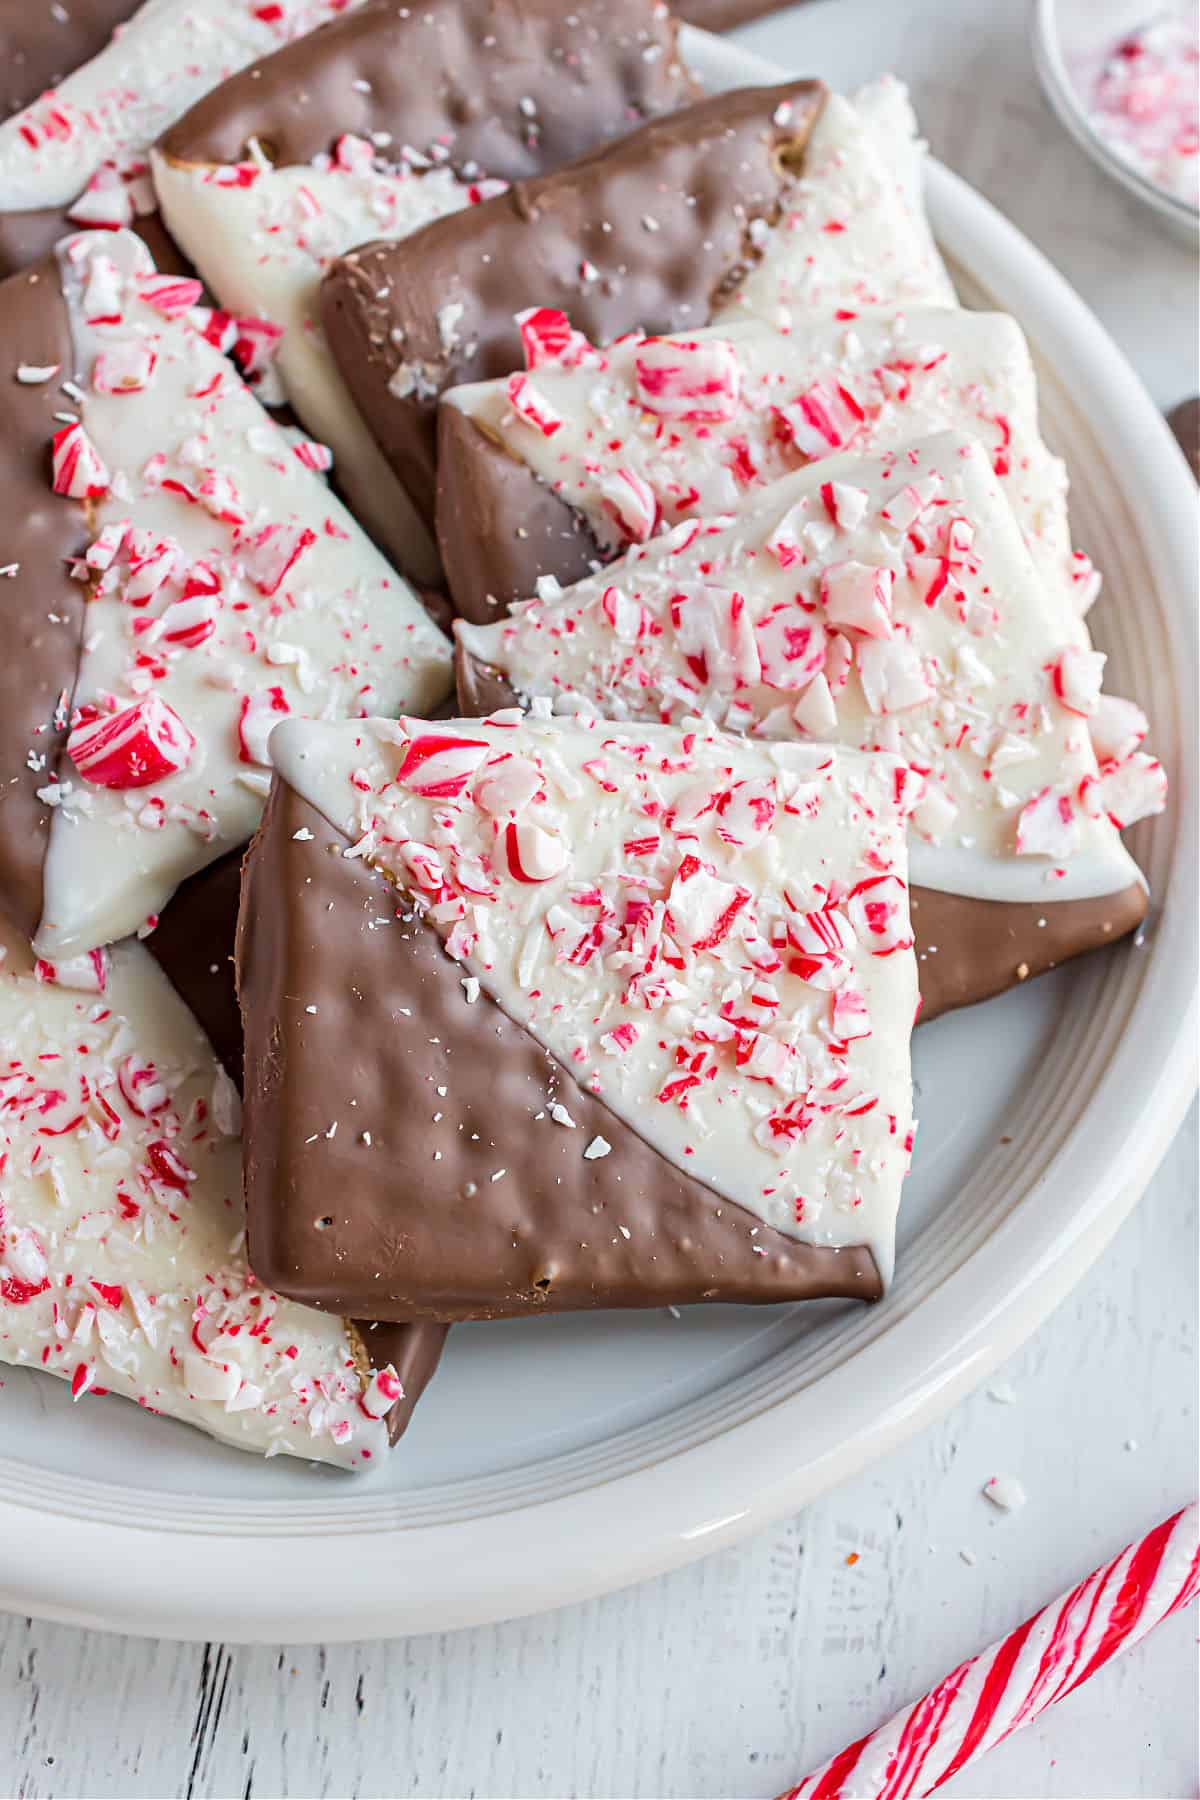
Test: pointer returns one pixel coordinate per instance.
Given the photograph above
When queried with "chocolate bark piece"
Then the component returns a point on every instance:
(647, 232)
(412, 1145)
(40, 44)
(391, 117)
(511, 89)
(193, 944)
(704, 418)
(207, 539)
(968, 950)
(848, 627)
(41, 608)
(382, 1226)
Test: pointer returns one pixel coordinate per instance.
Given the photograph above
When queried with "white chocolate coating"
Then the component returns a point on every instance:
(340, 634)
(856, 235)
(918, 626)
(906, 374)
(640, 899)
(166, 57)
(122, 1259)
(262, 248)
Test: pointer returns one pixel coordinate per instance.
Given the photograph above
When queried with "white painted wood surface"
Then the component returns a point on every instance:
(735, 1676)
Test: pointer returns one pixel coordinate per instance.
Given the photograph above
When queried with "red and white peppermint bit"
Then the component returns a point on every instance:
(318, 457)
(530, 404)
(273, 553)
(144, 1092)
(1011, 1684)
(630, 502)
(79, 471)
(106, 201)
(688, 379)
(1128, 791)
(440, 767)
(533, 854)
(1048, 825)
(144, 743)
(878, 912)
(255, 346)
(381, 1393)
(1075, 677)
(791, 648)
(171, 295)
(1116, 728)
(260, 714)
(547, 337)
(87, 974)
(124, 368)
(858, 597)
(825, 418)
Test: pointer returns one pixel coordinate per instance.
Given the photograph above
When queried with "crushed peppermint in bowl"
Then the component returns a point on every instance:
(1124, 79)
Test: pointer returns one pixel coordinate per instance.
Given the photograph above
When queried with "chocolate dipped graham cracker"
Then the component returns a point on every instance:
(889, 603)
(676, 223)
(122, 1250)
(180, 579)
(193, 944)
(96, 92)
(388, 118)
(586, 451)
(546, 1015)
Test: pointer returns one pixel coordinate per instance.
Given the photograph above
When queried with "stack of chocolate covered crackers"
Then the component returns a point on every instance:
(357, 353)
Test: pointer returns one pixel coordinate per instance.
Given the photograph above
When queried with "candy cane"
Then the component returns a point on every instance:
(1005, 1688)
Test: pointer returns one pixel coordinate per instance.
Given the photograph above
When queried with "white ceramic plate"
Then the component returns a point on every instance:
(557, 1459)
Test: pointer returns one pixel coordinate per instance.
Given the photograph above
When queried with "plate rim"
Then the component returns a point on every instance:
(147, 1580)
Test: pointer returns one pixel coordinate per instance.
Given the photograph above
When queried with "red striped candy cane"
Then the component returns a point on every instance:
(1008, 1685)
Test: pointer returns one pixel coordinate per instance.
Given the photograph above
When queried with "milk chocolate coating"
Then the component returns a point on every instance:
(967, 950)
(1184, 421)
(700, 177)
(498, 526)
(367, 1216)
(41, 608)
(40, 43)
(193, 945)
(25, 237)
(461, 73)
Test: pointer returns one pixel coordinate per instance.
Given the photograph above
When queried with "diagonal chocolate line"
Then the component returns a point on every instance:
(646, 232)
(193, 945)
(967, 950)
(41, 608)
(514, 89)
(358, 1197)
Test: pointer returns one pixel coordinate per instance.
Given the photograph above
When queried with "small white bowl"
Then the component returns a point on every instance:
(1063, 29)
